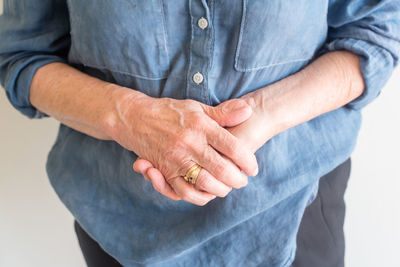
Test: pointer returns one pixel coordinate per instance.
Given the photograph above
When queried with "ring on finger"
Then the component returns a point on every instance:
(192, 174)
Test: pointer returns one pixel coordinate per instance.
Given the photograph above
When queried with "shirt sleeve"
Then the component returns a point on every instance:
(370, 29)
(32, 33)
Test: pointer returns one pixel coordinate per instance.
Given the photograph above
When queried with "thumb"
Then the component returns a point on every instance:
(229, 113)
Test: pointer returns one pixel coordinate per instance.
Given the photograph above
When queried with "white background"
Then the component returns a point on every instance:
(36, 230)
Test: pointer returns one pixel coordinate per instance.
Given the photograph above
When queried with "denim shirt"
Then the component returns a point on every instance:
(157, 47)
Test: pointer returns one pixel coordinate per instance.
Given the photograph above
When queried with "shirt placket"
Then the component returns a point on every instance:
(200, 50)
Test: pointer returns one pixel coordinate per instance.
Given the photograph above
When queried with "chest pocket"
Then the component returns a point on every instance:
(125, 36)
(275, 32)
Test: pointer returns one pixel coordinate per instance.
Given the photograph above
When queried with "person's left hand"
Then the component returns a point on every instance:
(255, 132)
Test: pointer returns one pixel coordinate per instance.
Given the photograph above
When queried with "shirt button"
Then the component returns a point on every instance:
(203, 23)
(198, 78)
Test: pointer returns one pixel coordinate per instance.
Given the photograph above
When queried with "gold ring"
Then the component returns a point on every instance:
(192, 173)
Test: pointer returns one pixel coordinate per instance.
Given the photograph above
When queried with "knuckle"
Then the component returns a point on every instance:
(185, 140)
(220, 169)
(172, 158)
(189, 102)
(181, 138)
(196, 120)
(202, 152)
(184, 165)
(184, 136)
(179, 150)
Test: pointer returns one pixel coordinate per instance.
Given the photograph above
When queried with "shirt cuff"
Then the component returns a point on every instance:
(376, 65)
(18, 86)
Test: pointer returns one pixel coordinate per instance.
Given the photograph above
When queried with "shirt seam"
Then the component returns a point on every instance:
(124, 72)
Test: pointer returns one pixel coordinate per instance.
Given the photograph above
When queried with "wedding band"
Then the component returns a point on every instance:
(192, 173)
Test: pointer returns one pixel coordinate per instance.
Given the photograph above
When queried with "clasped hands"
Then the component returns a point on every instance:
(170, 136)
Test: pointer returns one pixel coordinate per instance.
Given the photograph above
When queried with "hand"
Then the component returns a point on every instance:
(254, 132)
(260, 127)
(173, 135)
(329, 82)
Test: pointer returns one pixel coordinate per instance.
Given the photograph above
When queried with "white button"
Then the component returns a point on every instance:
(198, 78)
(203, 23)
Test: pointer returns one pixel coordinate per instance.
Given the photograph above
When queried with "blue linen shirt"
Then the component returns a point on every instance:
(156, 47)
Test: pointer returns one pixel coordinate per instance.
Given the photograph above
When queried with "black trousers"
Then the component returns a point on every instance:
(320, 240)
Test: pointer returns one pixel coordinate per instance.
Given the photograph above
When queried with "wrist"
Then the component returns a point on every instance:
(121, 100)
(328, 83)
(275, 108)
(267, 107)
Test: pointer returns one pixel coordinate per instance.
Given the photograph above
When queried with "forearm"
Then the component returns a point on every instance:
(82, 102)
(330, 82)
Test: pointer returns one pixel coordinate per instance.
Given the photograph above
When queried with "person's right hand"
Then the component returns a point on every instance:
(176, 134)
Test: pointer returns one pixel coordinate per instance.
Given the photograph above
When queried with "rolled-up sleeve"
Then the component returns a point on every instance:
(32, 34)
(370, 29)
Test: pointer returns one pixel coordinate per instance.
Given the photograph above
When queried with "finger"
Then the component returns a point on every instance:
(230, 146)
(221, 168)
(159, 184)
(206, 182)
(229, 113)
(189, 193)
(141, 165)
